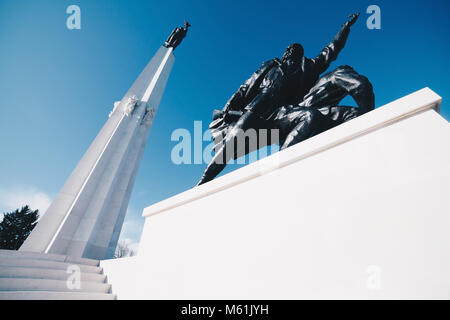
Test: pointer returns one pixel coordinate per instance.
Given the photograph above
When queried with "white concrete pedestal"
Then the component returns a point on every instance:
(359, 211)
(86, 216)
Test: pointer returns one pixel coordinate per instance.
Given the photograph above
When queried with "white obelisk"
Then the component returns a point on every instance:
(86, 216)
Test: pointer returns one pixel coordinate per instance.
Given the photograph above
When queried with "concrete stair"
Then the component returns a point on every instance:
(49, 295)
(39, 276)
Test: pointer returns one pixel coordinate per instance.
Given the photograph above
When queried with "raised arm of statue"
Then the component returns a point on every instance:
(331, 51)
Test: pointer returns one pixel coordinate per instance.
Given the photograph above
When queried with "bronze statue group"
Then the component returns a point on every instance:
(288, 95)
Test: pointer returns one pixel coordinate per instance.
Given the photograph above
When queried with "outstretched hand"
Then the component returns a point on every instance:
(353, 18)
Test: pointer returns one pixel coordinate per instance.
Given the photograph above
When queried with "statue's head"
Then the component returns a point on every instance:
(293, 52)
(186, 24)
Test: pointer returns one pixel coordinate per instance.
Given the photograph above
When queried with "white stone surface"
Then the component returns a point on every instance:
(48, 295)
(21, 284)
(86, 217)
(40, 276)
(6, 254)
(40, 273)
(360, 211)
(46, 264)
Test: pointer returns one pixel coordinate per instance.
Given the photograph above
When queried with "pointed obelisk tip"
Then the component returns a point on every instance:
(177, 36)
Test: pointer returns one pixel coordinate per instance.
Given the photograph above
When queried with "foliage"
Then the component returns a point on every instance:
(16, 226)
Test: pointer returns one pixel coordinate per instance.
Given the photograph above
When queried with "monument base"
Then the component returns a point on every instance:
(360, 211)
(42, 276)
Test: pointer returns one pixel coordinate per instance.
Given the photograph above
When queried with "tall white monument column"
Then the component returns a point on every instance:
(86, 216)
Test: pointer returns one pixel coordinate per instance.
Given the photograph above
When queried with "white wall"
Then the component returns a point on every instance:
(360, 211)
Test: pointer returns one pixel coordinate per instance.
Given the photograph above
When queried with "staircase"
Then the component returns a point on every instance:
(40, 276)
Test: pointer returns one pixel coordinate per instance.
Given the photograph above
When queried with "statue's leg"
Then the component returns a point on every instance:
(262, 102)
(357, 86)
(169, 41)
(175, 42)
(309, 123)
(227, 149)
(332, 87)
(319, 111)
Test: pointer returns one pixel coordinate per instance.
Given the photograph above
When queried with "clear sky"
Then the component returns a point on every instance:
(57, 86)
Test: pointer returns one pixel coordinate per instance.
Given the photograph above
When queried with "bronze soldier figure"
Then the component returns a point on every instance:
(288, 95)
(177, 36)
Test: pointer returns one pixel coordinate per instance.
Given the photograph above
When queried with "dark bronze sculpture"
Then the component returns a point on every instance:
(177, 36)
(288, 95)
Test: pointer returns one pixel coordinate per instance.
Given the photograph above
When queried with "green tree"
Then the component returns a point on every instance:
(16, 226)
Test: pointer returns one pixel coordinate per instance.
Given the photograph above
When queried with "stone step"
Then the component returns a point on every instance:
(45, 264)
(19, 284)
(46, 256)
(40, 273)
(47, 295)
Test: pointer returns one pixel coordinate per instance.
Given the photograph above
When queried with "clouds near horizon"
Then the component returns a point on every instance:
(12, 199)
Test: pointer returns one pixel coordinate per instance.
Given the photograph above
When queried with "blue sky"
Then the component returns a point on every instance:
(57, 86)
